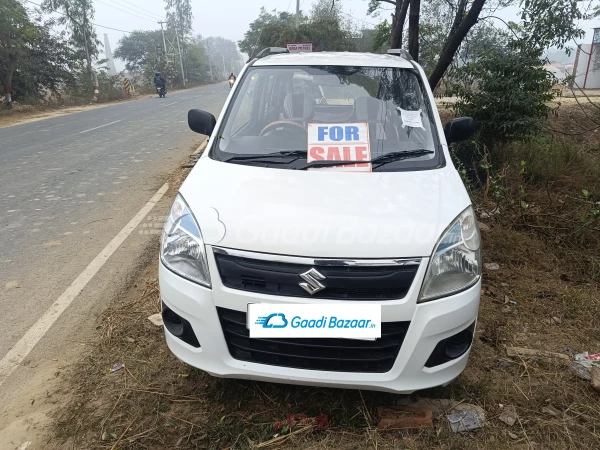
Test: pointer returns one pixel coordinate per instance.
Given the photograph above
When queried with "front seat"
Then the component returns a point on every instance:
(298, 107)
(374, 112)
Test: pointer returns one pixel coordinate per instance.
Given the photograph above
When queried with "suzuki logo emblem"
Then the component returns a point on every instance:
(312, 278)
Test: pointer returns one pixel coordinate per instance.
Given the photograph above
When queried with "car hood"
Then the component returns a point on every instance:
(323, 213)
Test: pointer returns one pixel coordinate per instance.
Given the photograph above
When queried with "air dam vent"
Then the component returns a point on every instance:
(335, 355)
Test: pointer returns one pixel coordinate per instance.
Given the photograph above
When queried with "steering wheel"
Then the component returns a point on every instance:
(283, 126)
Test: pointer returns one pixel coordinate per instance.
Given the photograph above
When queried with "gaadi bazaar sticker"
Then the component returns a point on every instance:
(340, 142)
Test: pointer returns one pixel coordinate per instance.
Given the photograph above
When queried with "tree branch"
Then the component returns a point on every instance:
(450, 50)
(458, 18)
(501, 20)
(398, 24)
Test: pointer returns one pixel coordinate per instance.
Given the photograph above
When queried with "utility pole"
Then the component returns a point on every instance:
(297, 13)
(212, 78)
(180, 58)
(85, 41)
(224, 70)
(164, 42)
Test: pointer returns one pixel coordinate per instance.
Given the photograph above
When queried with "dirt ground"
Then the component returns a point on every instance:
(537, 298)
(158, 402)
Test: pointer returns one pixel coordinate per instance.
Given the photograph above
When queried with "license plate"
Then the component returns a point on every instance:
(344, 320)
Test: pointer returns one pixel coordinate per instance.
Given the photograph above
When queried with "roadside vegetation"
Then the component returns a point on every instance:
(50, 56)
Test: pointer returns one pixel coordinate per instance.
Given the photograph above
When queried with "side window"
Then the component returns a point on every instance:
(244, 112)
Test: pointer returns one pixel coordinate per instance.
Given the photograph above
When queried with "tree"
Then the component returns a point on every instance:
(222, 53)
(460, 28)
(551, 23)
(325, 27)
(17, 35)
(381, 38)
(265, 31)
(507, 92)
(545, 23)
(77, 16)
(179, 16)
(413, 28)
(49, 68)
(196, 63)
(398, 23)
(136, 47)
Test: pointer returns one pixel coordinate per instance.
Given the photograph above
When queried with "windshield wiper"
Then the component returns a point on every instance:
(377, 162)
(266, 155)
(398, 156)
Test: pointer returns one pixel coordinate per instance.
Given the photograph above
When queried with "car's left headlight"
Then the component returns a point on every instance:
(456, 261)
(182, 248)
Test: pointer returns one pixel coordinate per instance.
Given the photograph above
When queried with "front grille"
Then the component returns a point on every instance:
(336, 355)
(341, 282)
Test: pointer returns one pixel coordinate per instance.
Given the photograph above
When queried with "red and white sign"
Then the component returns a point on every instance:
(295, 47)
(340, 142)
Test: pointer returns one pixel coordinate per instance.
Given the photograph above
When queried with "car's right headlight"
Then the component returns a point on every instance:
(456, 261)
(182, 248)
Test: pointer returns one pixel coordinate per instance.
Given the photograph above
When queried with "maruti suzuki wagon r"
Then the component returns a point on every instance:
(324, 237)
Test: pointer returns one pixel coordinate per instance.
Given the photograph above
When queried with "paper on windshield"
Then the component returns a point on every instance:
(411, 118)
(340, 142)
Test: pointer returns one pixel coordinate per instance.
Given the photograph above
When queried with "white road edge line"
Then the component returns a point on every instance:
(101, 126)
(21, 349)
(164, 106)
(201, 147)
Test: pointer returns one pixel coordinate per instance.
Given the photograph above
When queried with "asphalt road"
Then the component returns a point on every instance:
(68, 186)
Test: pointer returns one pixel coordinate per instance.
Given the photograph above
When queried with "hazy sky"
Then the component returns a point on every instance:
(230, 18)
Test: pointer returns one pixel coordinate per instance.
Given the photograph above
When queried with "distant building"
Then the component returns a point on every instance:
(586, 70)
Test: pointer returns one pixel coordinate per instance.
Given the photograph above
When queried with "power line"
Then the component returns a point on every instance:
(360, 20)
(143, 9)
(92, 23)
(127, 12)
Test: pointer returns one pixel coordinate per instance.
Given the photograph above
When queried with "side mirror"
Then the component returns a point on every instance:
(201, 121)
(459, 129)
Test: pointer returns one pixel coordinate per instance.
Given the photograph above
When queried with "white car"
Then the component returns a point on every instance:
(324, 242)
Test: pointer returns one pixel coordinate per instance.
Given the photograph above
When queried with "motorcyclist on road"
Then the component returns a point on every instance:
(232, 76)
(159, 80)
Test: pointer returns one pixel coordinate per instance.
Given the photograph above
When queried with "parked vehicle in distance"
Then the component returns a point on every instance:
(324, 237)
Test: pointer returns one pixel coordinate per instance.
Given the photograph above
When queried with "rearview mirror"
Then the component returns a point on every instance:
(459, 129)
(201, 121)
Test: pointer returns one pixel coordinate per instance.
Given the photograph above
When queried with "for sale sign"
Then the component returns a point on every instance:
(340, 142)
(295, 47)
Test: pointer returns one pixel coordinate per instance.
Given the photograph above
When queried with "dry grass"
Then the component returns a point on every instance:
(157, 402)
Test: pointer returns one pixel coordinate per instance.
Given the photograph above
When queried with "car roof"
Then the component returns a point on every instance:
(334, 59)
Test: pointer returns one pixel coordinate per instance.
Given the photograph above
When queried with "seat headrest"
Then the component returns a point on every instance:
(298, 107)
(369, 109)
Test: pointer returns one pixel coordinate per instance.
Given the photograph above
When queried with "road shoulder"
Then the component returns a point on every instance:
(35, 394)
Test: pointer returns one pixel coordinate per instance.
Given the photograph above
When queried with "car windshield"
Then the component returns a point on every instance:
(286, 116)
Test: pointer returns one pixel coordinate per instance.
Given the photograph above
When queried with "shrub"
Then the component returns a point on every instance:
(507, 93)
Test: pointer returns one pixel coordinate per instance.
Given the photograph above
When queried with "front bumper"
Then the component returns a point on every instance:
(430, 323)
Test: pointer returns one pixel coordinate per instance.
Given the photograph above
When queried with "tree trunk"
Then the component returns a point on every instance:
(413, 29)
(454, 42)
(12, 66)
(398, 23)
(458, 18)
